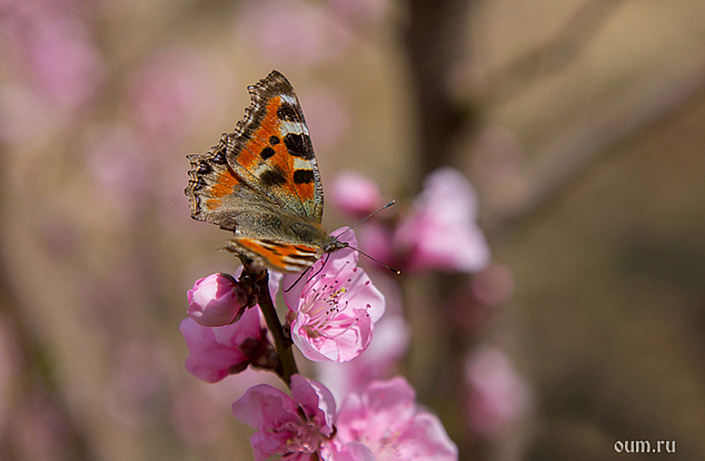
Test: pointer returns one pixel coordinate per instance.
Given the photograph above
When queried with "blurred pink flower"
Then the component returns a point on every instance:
(59, 55)
(355, 194)
(440, 233)
(376, 239)
(293, 428)
(333, 313)
(472, 306)
(120, 163)
(497, 395)
(216, 352)
(294, 32)
(386, 419)
(169, 93)
(388, 346)
(493, 285)
(217, 300)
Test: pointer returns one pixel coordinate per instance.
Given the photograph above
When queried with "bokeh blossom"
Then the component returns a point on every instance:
(332, 314)
(217, 300)
(497, 395)
(293, 428)
(386, 419)
(441, 233)
(355, 194)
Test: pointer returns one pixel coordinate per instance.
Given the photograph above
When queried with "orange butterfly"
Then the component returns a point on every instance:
(261, 181)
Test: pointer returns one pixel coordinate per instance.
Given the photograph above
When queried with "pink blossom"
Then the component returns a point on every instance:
(379, 361)
(440, 233)
(217, 300)
(293, 428)
(216, 352)
(386, 419)
(355, 194)
(333, 313)
(497, 395)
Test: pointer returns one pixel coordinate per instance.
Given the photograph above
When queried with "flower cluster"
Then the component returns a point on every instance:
(331, 318)
(359, 410)
(381, 423)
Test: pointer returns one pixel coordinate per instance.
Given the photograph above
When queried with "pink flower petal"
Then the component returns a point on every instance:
(441, 232)
(334, 312)
(293, 428)
(386, 419)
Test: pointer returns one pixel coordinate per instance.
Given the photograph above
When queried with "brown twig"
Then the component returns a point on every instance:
(287, 364)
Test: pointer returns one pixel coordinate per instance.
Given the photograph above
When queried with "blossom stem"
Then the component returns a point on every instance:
(287, 364)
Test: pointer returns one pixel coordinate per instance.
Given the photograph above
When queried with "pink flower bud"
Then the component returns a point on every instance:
(216, 300)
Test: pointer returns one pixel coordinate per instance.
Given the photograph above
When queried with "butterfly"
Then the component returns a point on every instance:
(261, 182)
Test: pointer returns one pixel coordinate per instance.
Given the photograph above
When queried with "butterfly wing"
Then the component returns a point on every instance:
(269, 151)
(261, 181)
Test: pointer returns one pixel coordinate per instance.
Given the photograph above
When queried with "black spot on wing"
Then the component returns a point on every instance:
(274, 140)
(303, 176)
(299, 145)
(272, 178)
(288, 113)
(267, 152)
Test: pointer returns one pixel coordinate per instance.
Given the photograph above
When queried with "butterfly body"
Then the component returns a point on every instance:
(261, 181)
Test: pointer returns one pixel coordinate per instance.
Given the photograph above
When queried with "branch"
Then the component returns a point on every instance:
(287, 363)
(570, 154)
(547, 58)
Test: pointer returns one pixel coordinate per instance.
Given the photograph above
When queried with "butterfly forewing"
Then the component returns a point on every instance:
(272, 150)
(262, 182)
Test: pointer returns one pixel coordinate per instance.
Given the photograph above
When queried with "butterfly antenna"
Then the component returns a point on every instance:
(297, 280)
(396, 271)
(327, 255)
(387, 205)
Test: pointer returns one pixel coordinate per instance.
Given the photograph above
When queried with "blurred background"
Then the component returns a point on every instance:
(579, 123)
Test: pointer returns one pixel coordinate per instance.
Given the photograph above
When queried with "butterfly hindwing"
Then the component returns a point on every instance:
(276, 255)
(212, 184)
